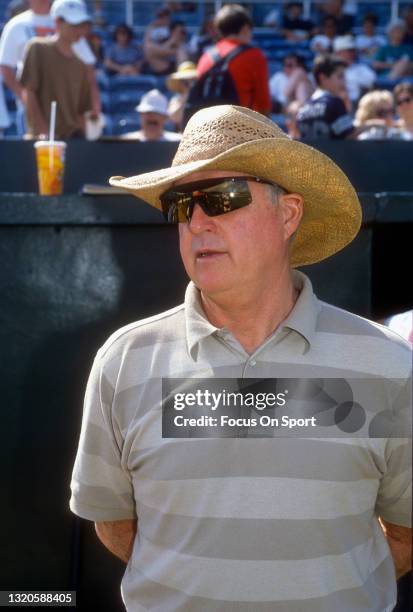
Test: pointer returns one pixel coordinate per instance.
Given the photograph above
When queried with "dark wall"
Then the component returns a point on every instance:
(371, 166)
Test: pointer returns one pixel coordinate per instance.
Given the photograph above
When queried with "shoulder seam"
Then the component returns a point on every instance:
(117, 335)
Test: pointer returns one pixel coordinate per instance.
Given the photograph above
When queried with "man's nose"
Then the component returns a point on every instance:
(200, 221)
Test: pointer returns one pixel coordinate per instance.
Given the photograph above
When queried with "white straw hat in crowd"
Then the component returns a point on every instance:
(344, 43)
(153, 102)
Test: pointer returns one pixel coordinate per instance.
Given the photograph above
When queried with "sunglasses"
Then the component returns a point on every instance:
(402, 101)
(215, 196)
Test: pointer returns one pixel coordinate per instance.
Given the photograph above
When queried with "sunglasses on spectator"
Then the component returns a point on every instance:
(384, 112)
(402, 101)
(216, 196)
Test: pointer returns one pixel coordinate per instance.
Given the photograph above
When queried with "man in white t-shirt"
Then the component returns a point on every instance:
(153, 111)
(17, 32)
(359, 77)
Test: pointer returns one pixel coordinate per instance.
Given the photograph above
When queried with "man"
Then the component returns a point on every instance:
(293, 26)
(334, 8)
(359, 77)
(290, 84)
(225, 522)
(325, 114)
(51, 71)
(395, 59)
(153, 111)
(162, 56)
(249, 69)
(368, 41)
(37, 22)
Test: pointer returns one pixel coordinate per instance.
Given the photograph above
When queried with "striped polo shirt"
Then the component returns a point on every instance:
(246, 524)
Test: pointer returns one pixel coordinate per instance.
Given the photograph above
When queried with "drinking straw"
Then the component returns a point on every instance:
(52, 130)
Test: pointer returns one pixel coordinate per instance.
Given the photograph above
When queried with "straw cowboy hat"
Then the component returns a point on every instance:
(186, 72)
(238, 139)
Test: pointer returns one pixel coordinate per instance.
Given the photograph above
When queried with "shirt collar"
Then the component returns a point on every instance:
(318, 93)
(197, 325)
(302, 319)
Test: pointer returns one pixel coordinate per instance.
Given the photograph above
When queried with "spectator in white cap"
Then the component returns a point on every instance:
(52, 71)
(153, 111)
(37, 21)
(359, 77)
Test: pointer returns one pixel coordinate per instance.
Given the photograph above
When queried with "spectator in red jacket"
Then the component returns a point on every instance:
(249, 69)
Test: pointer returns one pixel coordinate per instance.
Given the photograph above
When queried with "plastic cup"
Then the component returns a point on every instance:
(50, 157)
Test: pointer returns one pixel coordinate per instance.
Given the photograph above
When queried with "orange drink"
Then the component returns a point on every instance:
(50, 157)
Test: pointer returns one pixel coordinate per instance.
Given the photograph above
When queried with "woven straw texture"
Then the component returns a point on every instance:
(237, 139)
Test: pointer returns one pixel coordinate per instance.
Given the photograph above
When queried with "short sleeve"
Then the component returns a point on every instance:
(30, 77)
(394, 499)
(101, 486)
(341, 123)
(10, 45)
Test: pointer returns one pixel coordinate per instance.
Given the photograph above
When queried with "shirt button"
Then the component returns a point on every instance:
(253, 362)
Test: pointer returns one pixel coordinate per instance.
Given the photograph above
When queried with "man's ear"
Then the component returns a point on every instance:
(292, 206)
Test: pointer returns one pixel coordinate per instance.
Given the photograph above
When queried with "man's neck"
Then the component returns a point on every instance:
(64, 46)
(40, 7)
(241, 38)
(252, 319)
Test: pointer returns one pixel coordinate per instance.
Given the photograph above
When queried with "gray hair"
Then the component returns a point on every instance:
(276, 191)
(395, 24)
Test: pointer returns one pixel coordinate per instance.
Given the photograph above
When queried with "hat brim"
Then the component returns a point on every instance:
(150, 109)
(332, 211)
(174, 81)
(77, 19)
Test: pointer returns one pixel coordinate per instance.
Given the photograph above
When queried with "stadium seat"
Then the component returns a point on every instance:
(143, 82)
(121, 124)
(125, 101)
(103, 80)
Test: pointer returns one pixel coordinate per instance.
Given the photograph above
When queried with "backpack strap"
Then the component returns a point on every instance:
(226, 59)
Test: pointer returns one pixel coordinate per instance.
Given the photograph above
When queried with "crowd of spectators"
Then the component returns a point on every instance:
(369, 89)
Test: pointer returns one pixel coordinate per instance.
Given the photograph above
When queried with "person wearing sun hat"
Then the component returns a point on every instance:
(237, 520)
(179, 82)
(153, 112)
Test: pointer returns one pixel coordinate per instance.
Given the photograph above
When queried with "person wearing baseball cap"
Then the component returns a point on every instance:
(226, 514)
(153, 113)
(73, 12)
(51, 71)
(359, 77)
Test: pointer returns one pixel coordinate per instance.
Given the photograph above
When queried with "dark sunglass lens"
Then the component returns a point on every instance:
(174, 206)
(215, 198)
(227, 196)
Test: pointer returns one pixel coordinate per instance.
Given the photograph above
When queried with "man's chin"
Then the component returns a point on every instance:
(212, 287)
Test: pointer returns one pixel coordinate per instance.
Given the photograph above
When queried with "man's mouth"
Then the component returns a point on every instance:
(208, 253)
